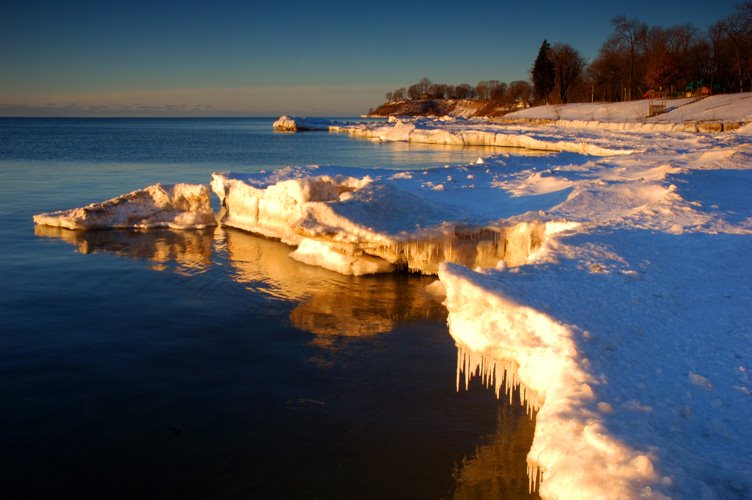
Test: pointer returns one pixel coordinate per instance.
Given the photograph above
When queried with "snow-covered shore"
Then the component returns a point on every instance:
(609, 279)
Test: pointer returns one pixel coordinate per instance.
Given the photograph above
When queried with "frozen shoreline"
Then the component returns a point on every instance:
(610, 280)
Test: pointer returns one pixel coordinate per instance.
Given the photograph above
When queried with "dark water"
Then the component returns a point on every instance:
(207, 364)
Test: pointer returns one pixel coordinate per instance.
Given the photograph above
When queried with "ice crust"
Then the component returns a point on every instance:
(177, 206)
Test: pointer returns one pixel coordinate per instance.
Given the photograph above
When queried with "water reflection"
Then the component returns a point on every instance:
(329, 304)
(184, 252)
(495, 470)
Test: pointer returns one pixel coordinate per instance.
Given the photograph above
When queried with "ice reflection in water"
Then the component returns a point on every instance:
(184, 252)
(330, 303)
(495, 470)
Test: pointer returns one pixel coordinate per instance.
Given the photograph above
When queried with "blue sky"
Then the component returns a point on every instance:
(297, 57)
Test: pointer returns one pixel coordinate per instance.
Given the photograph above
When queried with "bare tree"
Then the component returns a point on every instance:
(499, 91)
(414, 92)
(629, 35)
(568, 66)
(732, 37)
(519, 92)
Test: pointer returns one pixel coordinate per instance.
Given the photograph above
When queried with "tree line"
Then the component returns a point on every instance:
(636, 60)
(487, 90)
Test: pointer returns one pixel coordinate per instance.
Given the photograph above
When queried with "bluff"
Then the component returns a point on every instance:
(440, 107)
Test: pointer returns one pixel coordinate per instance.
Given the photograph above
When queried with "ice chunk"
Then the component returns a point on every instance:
(177, 206)
(273, 207)
(294, 124)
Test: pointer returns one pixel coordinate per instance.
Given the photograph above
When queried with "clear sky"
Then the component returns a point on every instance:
(311, 57)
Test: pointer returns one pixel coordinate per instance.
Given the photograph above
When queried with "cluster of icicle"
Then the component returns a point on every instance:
(500, 373)
(497, 372)
(472, 247)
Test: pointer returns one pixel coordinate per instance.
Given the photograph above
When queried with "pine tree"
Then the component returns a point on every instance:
(544, 73)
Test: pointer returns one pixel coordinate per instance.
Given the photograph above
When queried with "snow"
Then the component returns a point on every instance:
(178, 206)
(609, 280)
(716, 113)
(618, 112)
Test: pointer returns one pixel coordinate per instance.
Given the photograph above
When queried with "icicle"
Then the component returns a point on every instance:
(534, 477)
(499, 373)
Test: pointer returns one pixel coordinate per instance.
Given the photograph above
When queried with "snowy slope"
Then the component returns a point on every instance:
(708, 114)
(619, 112)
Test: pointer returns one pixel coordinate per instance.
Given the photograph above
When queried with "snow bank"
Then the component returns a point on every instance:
(178, 206)
(719, 113)
(630, 332)
(716, 108)
(611, 112)
(504, 340)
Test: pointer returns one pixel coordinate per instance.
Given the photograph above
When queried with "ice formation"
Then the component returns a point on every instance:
(177, 206)
(295, 124)
(367, 226)
(473, 133)
(608, 282)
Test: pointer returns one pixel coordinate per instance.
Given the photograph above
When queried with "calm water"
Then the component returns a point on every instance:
(207, 364)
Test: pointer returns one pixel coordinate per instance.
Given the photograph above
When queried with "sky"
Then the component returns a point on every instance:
(315, 58)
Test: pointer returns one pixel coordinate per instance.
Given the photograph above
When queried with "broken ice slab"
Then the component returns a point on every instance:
(176, 206)
(367, 226)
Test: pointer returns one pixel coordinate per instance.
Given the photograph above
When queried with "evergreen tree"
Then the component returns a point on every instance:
(544, 73)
